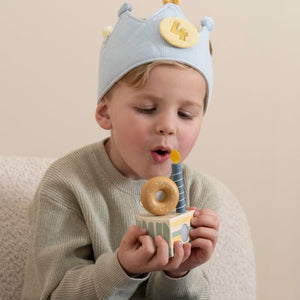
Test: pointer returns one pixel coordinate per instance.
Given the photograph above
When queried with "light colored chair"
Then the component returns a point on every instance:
(231, 269)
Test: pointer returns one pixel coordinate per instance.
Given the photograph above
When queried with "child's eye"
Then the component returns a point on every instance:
(185, 115)
(145, 110)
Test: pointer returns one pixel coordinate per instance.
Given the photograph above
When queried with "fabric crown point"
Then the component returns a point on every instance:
(165, 35)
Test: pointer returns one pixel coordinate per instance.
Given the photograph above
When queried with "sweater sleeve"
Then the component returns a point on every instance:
(194, 285)
(61, 263)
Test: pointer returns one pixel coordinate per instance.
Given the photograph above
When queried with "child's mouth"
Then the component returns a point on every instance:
(160, 156)
(161, 152)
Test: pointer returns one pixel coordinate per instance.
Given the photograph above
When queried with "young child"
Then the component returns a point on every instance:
(155, 83)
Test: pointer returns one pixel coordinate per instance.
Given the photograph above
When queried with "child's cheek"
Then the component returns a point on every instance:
(187, 143)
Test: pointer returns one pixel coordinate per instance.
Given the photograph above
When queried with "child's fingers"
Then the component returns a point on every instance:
(182, 253)
(187, 248)
(205, 245)
(177, 259)
(162, 252)
(206, 211)
(206, 218)
(137, 261)
(147, 248)
(130, 254)
(204, 233)
(131, 236)
(191, 208)
(202, 211)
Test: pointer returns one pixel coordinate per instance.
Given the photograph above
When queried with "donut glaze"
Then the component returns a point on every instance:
(149, 191)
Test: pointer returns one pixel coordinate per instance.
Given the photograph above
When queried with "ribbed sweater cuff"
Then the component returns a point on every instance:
(111, 279)
(190, 284)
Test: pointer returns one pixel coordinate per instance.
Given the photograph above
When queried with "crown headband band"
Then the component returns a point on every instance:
(166, 35)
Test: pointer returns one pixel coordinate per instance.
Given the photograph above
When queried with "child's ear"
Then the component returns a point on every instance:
(102, 114)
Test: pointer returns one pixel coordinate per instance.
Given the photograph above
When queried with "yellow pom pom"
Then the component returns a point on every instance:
(107, 31)
(171, 1)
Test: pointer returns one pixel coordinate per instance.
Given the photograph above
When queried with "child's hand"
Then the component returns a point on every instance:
(138, 254)
(204, 237)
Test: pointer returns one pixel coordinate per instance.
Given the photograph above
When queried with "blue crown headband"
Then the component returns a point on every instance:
(166, 35)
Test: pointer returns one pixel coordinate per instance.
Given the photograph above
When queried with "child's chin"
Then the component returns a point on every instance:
(158, 172)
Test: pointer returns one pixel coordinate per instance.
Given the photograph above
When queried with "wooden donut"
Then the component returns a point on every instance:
(149, 192)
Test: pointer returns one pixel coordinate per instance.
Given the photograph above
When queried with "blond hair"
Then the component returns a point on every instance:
(138, 76)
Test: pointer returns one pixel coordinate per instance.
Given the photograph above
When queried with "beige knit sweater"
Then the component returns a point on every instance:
(81, 210)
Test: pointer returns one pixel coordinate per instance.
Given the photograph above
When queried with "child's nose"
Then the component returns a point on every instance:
(165, 126)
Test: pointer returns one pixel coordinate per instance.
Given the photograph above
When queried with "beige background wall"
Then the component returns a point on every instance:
(250, 139)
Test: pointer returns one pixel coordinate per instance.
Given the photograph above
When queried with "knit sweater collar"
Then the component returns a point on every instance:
(113, 176)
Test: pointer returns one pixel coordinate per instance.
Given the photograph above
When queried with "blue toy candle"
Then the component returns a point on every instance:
(177, 178)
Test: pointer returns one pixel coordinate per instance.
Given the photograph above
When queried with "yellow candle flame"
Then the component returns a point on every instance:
(171, 1)
(175, 156)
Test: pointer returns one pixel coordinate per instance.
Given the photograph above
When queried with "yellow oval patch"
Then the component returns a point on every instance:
(175, 156)
(179, 32)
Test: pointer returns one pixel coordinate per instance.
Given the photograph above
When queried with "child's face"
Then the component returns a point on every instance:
(148, 123)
